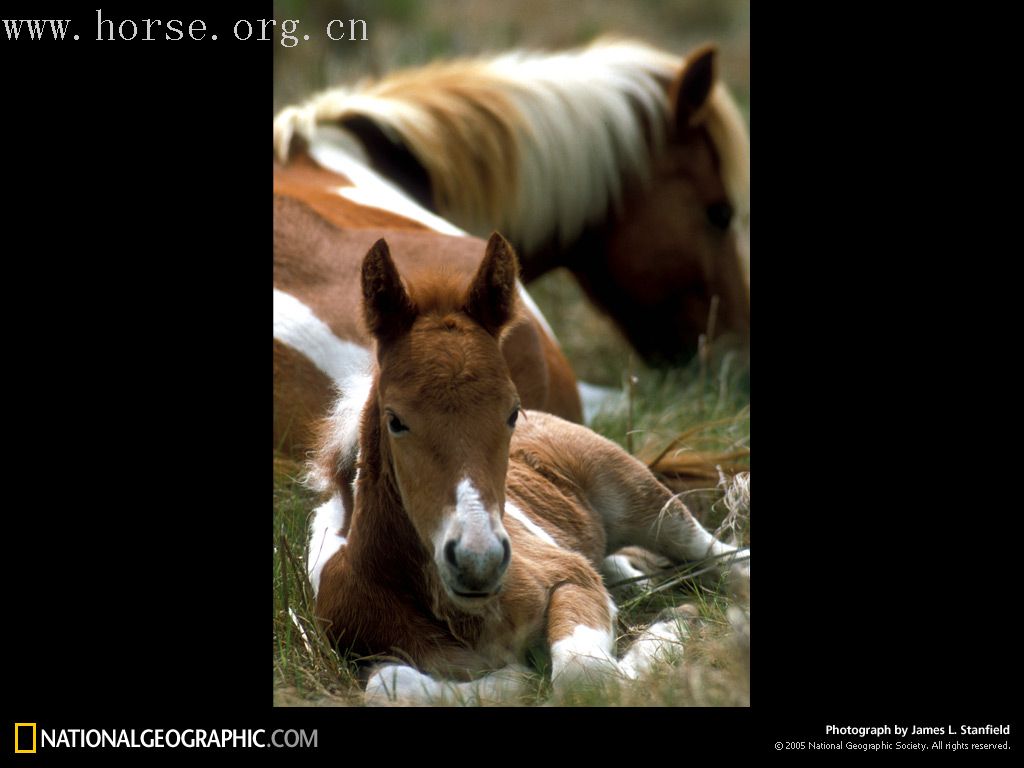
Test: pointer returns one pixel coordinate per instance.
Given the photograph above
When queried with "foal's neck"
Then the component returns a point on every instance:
(380, 527)
(383, 544)
(382, 541)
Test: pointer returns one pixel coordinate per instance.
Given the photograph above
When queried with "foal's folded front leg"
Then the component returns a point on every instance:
(581, 634)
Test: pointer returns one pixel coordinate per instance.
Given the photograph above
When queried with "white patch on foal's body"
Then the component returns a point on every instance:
(297, 326)
(324, 537)
(329, 518)
(615, 568)
(517, 514)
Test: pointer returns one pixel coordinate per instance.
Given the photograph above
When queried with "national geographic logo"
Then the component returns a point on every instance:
(28, 737)
(25, 738)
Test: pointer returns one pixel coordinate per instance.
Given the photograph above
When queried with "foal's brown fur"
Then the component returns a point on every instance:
(438, 421)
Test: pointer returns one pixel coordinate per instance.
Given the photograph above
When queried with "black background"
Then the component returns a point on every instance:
(137, 267)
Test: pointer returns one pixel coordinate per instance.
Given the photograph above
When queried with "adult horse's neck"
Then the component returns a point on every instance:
(586, 259)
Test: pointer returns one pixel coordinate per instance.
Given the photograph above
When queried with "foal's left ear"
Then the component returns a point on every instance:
(387, 308)
(692, 87)
(491, 299)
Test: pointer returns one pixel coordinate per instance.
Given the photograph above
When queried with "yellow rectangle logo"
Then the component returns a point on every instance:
(17, 738)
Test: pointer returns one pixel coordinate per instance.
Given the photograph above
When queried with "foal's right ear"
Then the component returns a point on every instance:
(387, 308)
(491, 299)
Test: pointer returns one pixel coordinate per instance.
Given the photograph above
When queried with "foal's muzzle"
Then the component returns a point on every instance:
(476, 564)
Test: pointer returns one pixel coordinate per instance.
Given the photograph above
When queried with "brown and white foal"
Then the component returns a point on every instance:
(471, 530)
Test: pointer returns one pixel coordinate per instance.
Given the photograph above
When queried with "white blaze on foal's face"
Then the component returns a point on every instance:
(472, 550)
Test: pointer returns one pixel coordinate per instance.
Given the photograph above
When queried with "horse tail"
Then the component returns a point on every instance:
(696, 469)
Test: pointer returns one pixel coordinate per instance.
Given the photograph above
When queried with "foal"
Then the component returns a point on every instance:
(473, 530)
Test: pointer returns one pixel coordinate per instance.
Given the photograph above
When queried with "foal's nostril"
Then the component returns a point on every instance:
(508, 553)
(449, 553)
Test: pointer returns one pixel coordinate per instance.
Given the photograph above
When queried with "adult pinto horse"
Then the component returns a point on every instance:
(327, 213)
(476, 527)
(628, 165)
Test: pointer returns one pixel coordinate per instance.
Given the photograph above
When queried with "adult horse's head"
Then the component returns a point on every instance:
(624, 163)
(684, 238)
(444, 409)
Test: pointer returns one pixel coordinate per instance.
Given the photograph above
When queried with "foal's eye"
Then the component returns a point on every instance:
(720, 215)
(395, 425)
(513, 417)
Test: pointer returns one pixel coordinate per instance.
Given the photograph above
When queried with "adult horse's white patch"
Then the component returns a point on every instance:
(531, 305)
(371, 189)
(324, 538)
(297, 326)
(338, 151)
(517, 514)
(584, 123)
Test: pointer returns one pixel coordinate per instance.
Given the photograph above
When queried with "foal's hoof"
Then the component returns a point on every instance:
(400, 685)
(582, 667)
(662, 642)
(587, 680)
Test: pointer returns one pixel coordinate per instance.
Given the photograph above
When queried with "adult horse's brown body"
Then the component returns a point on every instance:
(472, 533)
(323, 224)
(627, 165)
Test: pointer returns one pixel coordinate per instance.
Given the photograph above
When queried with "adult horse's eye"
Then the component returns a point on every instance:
(395, 425)
(513, 417)
(720, 215)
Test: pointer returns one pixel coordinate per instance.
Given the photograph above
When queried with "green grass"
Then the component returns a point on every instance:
(304, 660)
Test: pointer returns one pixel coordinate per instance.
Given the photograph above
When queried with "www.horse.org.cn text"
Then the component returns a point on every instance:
(285, 31)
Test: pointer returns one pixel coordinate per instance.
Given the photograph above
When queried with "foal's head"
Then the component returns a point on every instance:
(445, 407)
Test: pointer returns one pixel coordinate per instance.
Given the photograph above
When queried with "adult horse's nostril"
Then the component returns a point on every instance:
(508, 553)
(449, 553)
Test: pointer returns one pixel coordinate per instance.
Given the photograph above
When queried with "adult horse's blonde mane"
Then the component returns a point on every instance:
(535, 145)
